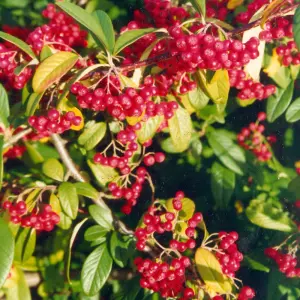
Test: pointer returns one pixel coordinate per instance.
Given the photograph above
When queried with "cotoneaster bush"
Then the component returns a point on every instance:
(106, 137)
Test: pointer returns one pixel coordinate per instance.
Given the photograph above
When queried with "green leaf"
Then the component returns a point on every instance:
(69, 253)
(7, 247)
(265, 215)
(1, 160)
(107, 28)
(198, 98)
(65, 221)
(168, 146)
(52, 69)
(33, 153)
(296, 27)
(129, 37)
(19, 43)
(103, 174)
(231, 155)
(180, 126)
(32, 103)
(119, 248)
(102, 215)
(95, 233)
(294, 187)
(86, 190)
(68, 198)
(200, 6)
(85, 19)
(149, 128)
(20, 290)
(293, 112)
(92, 136)
(53, 169)
(255, 264)
(222, 184)
(4, 106)
(279, 102)
(25, 244)
(129, 290)
(217, 88)
(46, 52)
(96, 270)
(210, 270)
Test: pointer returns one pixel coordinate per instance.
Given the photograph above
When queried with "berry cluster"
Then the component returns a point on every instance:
(62, 32)
(168, 279)
(230, 257)
(277, 29)
(44, 220)
(10, 58)
(252, 138)
(289, 54)
(287, 263)
(131, 103)
(217, 9)
(248, 88)
(205, 51)
(54, 122)
(157, 221)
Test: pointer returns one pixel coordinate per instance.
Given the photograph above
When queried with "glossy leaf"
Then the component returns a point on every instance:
(19, 43)
(68, 198)
(168, 146)
(92, 135)
(200, 7)
(72, 239)
(52, 69)
(293, 112)
(53, 169)
(102, 215)
(198, 98)
(129, 37)
(296, 27)
(46, 52)
(231, 155)
(181, 128)
(96, 270)
(95, 233)
(4, 107)
(86, 190)
(279, 102)
(65, 221)
(107, 28)
(149, 128)
(265, 215)
(85, 19)
(103, 174)
(7, 247)
(119, 248)
(210, 271)
(32, 103)
(293, 187)
(1, 160)
(25, 244)
(255, 264)
(19, 289)
(222, 184)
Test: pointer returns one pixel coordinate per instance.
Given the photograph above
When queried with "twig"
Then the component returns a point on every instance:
(59, 144)
(15, 138)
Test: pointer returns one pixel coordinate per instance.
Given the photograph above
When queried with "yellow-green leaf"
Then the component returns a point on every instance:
(52, 69)
(188, 208)
(210, 271)
(149, 128)
(103, 174)
(181, 128)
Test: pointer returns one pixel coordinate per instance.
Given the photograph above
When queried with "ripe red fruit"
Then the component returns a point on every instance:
(159, 157)
(149, 160)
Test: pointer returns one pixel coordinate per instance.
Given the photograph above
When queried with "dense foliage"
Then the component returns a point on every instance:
(155, 160)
